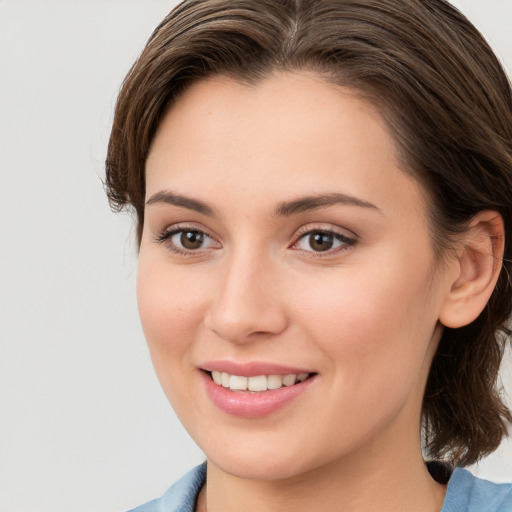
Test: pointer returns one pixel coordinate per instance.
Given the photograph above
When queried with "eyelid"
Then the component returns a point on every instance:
(326, 228)
(164, 237)
(349, 240)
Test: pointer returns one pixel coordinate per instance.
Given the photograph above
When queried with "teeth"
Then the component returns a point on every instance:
(289, 380)
(258, 383)
(274, 382)
(237, 383)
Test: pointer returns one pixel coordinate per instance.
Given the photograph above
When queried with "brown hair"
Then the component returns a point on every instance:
(447, 103)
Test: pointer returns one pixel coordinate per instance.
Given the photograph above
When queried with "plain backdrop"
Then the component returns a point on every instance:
(84, 425)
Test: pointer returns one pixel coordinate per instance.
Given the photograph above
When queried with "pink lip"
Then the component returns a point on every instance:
(251, 369)
(247, 404)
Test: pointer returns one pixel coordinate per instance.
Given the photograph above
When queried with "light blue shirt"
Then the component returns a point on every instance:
(465, 493)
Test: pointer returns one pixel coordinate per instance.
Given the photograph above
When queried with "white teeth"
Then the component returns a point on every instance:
(289, 380)
(257, 383)
(237, 382)
(274, 382)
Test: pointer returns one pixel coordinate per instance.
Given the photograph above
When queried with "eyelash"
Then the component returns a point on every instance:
(345, 242)
(166, 238)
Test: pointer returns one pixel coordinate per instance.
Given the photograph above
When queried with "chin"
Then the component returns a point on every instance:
(265, 461)
(256, 469)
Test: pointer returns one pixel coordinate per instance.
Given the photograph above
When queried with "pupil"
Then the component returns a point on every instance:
(191, 239)
(321, 241)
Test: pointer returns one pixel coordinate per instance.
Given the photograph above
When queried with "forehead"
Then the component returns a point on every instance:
(283, 108)
(286, 135)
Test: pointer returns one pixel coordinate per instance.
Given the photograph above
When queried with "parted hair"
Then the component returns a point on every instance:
(447, 103)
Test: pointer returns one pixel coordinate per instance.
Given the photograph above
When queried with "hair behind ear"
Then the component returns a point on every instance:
(464, 415)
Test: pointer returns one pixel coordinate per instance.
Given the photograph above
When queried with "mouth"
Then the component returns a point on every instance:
(257, 383)
(261, 390)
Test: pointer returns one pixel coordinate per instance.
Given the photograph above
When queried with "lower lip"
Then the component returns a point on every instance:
(246, 404)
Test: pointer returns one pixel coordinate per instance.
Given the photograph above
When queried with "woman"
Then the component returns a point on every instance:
(322, 191)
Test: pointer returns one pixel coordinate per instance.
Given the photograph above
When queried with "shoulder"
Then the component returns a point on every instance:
(467, 493)
(181, 496)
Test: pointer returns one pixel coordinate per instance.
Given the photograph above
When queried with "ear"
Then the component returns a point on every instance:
(476, 270)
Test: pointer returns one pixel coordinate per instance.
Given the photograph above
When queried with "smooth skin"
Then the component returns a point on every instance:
(364, 311)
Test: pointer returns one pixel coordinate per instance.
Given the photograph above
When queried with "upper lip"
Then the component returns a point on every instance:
(251, 369)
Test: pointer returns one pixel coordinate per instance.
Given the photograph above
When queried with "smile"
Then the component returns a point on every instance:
(258, 383)
(258, 393)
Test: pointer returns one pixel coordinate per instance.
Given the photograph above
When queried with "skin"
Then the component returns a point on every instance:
(364, 316)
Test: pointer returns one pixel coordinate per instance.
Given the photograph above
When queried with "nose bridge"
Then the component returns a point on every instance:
(246, 301)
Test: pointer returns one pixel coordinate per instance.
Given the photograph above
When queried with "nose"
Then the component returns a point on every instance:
(247, 304)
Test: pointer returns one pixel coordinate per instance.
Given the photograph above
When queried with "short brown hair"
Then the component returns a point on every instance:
(448, 105)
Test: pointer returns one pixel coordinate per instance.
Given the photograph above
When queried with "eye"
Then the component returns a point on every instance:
(186, 240)
(323, 241)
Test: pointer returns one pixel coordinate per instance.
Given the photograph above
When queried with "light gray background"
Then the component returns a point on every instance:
(84, 425)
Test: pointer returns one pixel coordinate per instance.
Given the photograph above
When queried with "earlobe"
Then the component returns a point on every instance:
(480, 254)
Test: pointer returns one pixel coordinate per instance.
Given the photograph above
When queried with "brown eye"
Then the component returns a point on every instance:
(191, 240)
(321, 241)
(186, 241)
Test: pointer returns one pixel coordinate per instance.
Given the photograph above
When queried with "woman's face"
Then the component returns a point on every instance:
(282, 238)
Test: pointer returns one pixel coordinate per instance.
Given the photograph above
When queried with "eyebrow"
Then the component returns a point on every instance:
(283, 209)
(168, 197)
(313, 202)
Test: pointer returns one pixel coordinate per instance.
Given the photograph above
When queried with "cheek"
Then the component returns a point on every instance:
(375, 325)
(376, 353)
(170, 316)
(168, 311)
